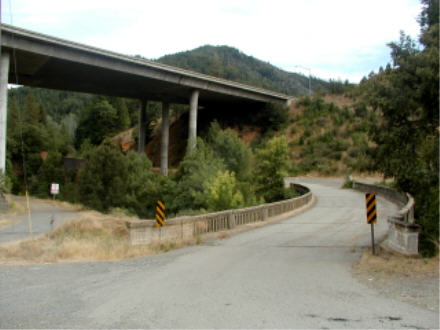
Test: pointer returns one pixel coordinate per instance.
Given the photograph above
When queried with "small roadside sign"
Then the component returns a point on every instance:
(54, 188)
(370, 199)
(160, 214)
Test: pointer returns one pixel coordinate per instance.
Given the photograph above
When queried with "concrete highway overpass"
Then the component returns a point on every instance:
(38, 60)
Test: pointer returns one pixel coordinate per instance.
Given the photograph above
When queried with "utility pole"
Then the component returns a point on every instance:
(310, 77)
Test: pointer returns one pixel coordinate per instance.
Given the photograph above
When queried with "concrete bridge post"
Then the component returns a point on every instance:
(192, 132)
(165, 139)
(4, 73)
(142, 117)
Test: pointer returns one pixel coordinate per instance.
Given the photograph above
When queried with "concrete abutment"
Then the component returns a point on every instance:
(4, 73)
(192, 132)
(165, 138)
(142, 118)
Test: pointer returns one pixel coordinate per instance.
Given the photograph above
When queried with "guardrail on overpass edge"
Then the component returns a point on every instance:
(403, 232)
(189, 227)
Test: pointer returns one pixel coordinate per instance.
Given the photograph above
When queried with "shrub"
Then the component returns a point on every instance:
(196, 170)
(271, 168)
(143, 188)
(223, 192)
(3, 189)
(236, 155)
(308, 164)
(354, 152)
(360, 110)
(273, 117)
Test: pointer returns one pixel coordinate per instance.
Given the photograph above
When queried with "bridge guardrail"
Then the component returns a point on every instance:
(187, 227)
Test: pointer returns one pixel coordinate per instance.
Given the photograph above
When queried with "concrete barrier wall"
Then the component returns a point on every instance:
(403, 233)
(188, 227)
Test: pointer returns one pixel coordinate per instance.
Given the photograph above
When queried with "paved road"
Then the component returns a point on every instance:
(294, 274)
(41, 214)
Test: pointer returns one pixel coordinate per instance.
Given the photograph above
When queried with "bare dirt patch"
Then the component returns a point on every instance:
(413, 280)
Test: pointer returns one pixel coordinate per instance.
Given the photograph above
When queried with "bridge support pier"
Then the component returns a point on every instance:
(4, 73)
(142, 118)
(192, 132)
(165, 139)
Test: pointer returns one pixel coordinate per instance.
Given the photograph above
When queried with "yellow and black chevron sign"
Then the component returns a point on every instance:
(371, 208)
(160, 215)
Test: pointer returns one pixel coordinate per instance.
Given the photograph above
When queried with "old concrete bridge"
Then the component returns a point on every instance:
(33, 59)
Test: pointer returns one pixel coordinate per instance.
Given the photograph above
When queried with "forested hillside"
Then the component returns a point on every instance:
(229, 63)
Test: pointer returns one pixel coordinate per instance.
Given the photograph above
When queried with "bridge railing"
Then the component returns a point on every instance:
(404, 200)
(187, 227)
(403, 233)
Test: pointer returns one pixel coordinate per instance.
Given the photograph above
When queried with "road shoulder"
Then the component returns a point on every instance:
(411, 280)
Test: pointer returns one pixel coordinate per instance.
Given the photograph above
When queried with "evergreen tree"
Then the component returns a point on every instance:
(406, 136)
(102, 179)
(49, 172)
(98, 121)
(33, 112)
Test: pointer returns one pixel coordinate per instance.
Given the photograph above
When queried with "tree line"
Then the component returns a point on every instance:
(405, 98)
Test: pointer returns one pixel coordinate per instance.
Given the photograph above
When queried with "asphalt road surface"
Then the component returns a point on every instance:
(294, 274)
(41, 215)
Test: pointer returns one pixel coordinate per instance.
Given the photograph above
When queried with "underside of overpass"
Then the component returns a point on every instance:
(33, 59)
(54, 73)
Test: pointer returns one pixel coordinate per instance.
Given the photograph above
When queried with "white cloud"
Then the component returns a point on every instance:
(333, 38)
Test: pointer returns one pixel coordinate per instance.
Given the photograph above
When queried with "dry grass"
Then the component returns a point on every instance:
(94, 237)
(392, 264)
(6, 222)
(15, 207)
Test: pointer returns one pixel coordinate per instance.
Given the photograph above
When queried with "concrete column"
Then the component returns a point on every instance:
(142, 118)
(4, 73)
(165, 139)
(192, 133)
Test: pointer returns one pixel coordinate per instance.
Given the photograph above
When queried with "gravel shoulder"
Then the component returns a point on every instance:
(411, 280)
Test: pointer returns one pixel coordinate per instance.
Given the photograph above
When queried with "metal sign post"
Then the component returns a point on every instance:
(54, 190)
(370, 199)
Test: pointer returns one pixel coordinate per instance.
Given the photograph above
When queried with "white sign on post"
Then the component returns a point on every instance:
(54, 188)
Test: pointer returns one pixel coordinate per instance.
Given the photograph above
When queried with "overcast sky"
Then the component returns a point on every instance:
(335, 39)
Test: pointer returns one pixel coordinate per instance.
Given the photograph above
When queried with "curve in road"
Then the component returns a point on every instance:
(294, 274)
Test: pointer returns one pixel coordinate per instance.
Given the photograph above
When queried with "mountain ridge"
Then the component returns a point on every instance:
(232, 64)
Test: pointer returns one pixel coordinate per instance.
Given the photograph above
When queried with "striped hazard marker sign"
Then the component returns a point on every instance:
(370, 198)
(160, 214)
(371, 208)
